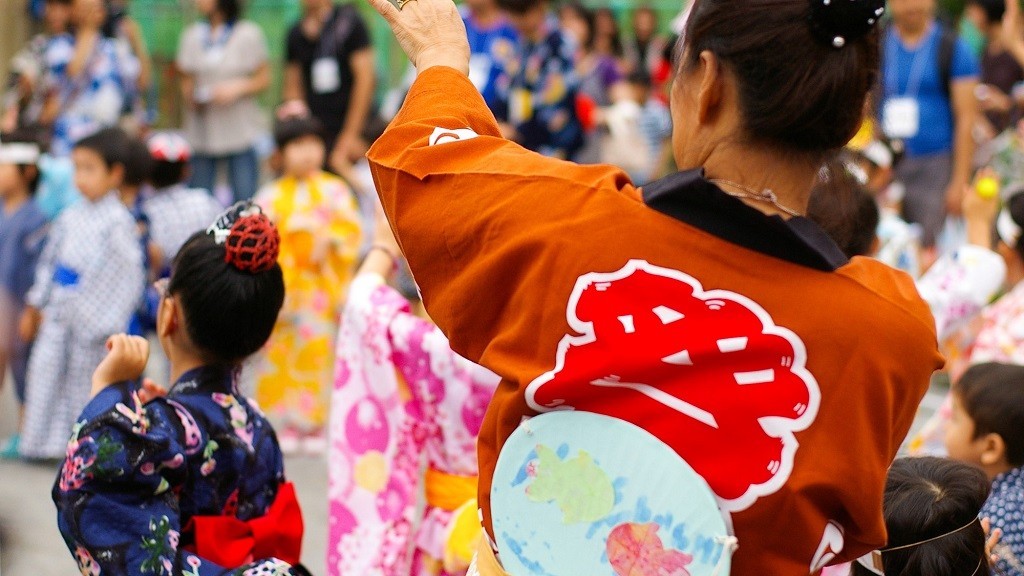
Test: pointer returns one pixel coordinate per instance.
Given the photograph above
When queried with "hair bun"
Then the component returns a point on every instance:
(837, 22)
(252, 244)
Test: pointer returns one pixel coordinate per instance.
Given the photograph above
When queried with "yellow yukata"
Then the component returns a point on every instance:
(318, 220)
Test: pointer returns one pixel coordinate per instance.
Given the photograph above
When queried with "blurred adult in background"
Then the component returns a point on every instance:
(492, 44)
(536, 100)
(607, 40)
(330, 67)
(1000, 71)
(597, 72)
(643, 50)
(89, 79)
(224, 65)
(24, 99)
(928, 79)
(120, 26)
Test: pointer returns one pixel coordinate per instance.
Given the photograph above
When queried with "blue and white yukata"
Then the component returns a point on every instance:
(88, 284)
(1005, 509)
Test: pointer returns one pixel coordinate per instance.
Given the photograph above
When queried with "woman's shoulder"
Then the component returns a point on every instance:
(887, 293)
(249, 29)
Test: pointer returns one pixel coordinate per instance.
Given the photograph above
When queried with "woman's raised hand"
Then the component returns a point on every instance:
(430, 32)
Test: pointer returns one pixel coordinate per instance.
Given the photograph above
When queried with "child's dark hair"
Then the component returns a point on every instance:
(138, 163)
(993, 9)
(992, 395)
(844, 208)
(931, 508)
(290, 129)
(165, 174)
(1015, 208)
(28, 171)
(229, 312)
(110, 143)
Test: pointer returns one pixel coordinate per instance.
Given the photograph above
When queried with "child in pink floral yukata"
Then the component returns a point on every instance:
(401, 395)
(187, 482)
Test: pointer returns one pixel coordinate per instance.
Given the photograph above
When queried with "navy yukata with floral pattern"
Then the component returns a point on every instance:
(135, 474)
(536, 93)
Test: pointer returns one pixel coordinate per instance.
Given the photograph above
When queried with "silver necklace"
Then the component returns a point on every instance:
(766, 195)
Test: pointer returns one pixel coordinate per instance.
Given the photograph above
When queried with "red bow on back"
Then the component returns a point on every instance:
(231, 543)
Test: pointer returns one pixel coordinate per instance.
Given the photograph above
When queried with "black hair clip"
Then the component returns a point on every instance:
(837, 22)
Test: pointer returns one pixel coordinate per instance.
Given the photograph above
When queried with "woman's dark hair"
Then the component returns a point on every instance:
(138, 163)
(844, 208)
(1015, 207)
(929, 498)
(587, 16)
(229, 313)
(615, 38)
(519, 7)
(165, 174)
(110, 143)
(993, 9)
(291, 129)
(795, 90)
(230, 9)
(992, 395)
(27, 135)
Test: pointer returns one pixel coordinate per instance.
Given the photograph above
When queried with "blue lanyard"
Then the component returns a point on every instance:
(917, 65)
(209, 41)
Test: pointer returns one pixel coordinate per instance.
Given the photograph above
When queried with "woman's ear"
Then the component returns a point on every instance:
(993, 451)
(709, 96)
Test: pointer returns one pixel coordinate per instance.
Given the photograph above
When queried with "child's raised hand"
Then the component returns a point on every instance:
(151, 390)
(991, 540)
(125, 360)
(980, 207)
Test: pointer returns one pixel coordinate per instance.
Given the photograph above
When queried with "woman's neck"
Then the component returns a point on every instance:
(216, 20)
(789, 178)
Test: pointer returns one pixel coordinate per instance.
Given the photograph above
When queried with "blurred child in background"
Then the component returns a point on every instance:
(87, 285)
(319, 223)
(22, 233)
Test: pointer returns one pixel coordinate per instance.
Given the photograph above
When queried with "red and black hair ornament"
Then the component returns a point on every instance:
(838, 22)
(251, 242)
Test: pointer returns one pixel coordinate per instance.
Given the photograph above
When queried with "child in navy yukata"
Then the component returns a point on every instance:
(986, 428)
(22, 233)
(190, 481)
(88, 283)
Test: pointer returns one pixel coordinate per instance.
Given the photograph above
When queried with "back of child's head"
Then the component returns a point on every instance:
(170, 153)
(229, 285)
(23, 148)
(992, 395)
(138, 165)
(110, 144)
(1010, 224)
(292, 128)
(844, 208)
(931, 508)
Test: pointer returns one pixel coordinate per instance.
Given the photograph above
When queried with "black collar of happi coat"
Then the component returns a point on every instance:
(689, 197)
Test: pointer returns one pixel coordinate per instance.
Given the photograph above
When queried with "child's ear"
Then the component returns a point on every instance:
(993, 450)
(167, 317)
(117, 173)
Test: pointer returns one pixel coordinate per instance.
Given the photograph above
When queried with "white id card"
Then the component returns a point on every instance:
(479, 70)
(901, 118)
(326, 76)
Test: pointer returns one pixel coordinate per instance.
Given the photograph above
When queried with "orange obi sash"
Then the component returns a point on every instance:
(456, 494)
(231, 543)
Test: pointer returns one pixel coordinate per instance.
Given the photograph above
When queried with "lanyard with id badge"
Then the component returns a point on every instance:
(325, 72)
(901, 114)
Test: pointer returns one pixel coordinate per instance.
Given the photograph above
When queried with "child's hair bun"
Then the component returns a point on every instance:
(252, 244)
